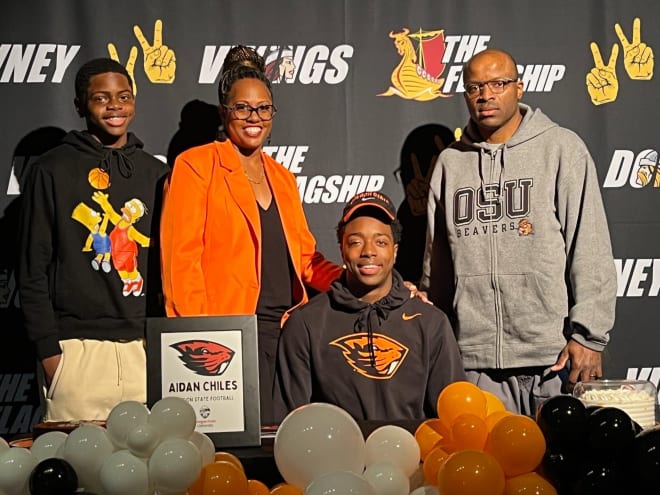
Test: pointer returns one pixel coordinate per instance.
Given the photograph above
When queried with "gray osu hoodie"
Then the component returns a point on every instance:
(518, 249)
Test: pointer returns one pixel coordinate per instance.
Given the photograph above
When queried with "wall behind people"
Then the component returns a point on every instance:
(355, 79)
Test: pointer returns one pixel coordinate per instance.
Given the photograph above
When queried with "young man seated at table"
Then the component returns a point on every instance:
(366, 345)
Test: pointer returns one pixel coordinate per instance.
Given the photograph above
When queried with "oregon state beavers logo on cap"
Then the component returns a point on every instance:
(204, 357)
(389, 354)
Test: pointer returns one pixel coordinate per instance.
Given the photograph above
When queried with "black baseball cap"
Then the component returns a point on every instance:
(374, 199)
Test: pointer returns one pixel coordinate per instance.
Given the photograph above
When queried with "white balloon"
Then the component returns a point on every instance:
(174, 465)
(16, 465)
(316, 439)
(205, 446)
(387, 479)
(123, 418)
(59, 453)
(123, 473)
(425, 490)
(173, 417)
(142, 440)
(395, 445)
(340, 482)
(86, 448)
(45, 446)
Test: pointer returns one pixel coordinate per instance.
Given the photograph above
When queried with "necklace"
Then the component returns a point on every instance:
(255, 181)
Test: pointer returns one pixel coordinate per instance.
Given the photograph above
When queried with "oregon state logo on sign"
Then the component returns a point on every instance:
(204, 357)
(417, 77)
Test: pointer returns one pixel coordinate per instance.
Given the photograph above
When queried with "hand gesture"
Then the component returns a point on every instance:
(417, 190)
(102, 200)
(130, 64)
(637, 56)
(602, 83)
(159, 59)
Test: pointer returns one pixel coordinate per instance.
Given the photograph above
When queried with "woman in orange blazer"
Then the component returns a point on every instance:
(234, 238)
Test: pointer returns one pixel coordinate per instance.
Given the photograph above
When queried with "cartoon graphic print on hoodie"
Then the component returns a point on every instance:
(524, 224)
(92, 197)
(386, 360)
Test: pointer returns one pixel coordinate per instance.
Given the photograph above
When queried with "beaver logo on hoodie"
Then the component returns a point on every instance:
(382, 364)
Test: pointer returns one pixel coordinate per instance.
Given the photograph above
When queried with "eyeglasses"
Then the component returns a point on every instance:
(495, 85)
(243, 111)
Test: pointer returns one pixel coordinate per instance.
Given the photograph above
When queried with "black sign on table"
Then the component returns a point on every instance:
(211, 362)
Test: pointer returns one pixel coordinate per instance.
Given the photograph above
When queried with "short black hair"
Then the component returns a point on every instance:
(376, 213)
(93, 68)
(241, 62)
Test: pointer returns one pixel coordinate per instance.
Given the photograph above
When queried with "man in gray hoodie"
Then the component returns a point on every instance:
(518, 250)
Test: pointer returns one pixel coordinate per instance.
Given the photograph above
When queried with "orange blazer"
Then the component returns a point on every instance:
(211, 235)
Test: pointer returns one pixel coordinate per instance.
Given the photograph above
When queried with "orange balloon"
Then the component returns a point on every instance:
(428, 434)
(517, 443)
(224, 478)
(471, 472)
(286, 489)
(469, 431)
(432, 463)
(197, 488)
(460, 398)
(529, 484)
(256, 487)
(493, 418)
(229, 457)
(493, 403)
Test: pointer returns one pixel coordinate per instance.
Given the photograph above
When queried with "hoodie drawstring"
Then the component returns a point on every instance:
(371, 317)
(481, 173)
(124, 164)
(501, 177)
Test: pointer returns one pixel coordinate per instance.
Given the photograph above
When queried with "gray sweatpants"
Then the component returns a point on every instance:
(522, 390)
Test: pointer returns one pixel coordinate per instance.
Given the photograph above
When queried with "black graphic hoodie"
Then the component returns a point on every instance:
(383, 361)
(88, 264)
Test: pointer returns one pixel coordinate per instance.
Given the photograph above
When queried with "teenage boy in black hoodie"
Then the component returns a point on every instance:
(88, 257)
(366, 345)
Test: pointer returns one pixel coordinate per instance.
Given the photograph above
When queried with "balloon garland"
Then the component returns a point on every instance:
(474, 446)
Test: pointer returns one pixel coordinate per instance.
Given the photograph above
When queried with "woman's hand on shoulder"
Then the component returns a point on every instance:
(415, 292)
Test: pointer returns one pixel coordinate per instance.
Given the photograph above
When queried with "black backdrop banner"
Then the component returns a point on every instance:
(352, 82)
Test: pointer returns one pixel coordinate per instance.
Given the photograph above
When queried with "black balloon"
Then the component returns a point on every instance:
(561, 468)
(602, 478)
(646, 465)
(592, 409)
(53, 477)
(611, 432)
(563, 421)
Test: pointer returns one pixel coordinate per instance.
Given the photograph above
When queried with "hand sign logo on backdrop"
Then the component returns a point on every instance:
(602, 82)
(159, 60)
(130, 63)
(637, 56)
(417, 190)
